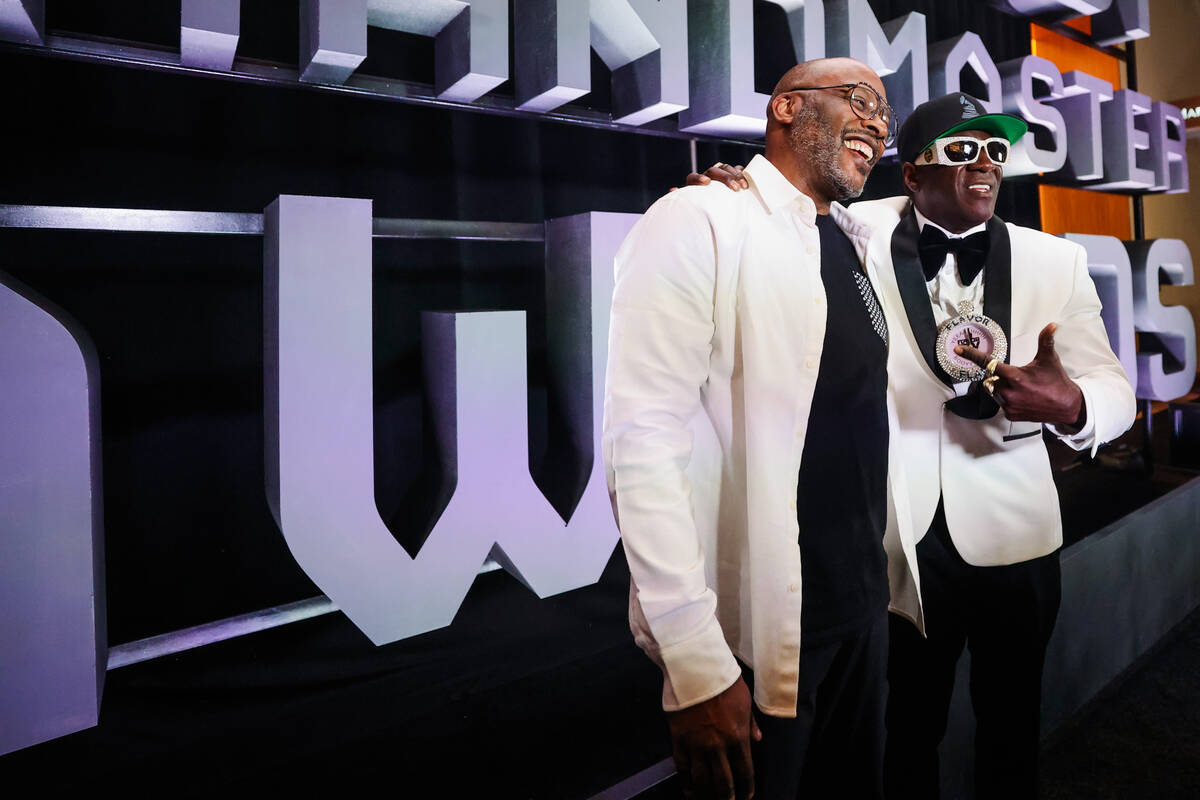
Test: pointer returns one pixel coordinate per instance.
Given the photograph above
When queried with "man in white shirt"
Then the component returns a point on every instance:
(981, 493)
(749, 457)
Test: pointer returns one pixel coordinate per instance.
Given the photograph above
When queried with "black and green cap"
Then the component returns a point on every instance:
(949, 114)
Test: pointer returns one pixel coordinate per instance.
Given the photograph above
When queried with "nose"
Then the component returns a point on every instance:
(984, 163)
(877, 126)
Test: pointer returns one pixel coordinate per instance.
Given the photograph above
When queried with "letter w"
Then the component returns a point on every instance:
(319, 425)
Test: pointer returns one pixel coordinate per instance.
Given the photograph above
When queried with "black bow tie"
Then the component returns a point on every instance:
(970, 253)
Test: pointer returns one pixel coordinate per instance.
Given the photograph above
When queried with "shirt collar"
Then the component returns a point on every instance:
(923, 220)
(777, 192)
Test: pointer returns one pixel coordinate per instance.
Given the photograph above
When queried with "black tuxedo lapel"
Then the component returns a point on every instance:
(997, 279)
(910, 279)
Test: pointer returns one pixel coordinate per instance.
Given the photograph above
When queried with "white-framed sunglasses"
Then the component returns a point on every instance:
(954, 151)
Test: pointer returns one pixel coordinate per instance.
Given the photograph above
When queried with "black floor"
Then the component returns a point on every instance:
(1141, 737)
(1138, 740)
(557, 705)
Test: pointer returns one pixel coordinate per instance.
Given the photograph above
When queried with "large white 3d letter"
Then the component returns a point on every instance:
(333, 39)
(1167, 356)
(1168, 148)
(319, 429)
(470, 40)
(1018, 77)
(644, 44)
(22, 20)
(947, 60)
(721, 63)
(53, 650)
(552, 56)
(1108, 264)
(896, 49)
(1123, 21)
(1125, 120)
(208, 33)
(1060, 9)
(1079, 106)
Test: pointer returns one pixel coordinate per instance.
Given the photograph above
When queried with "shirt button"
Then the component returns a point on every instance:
(817, 301)
(811, 363)
(812, 251)
(792, 505)
(793, 588)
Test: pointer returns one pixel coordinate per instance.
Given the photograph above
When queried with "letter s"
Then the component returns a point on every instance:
(1167, 335)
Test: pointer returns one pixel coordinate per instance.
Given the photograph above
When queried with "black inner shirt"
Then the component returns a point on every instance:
(842, 493)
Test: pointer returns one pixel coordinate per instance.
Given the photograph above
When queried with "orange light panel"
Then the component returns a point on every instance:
(1078, 210)
(1067, 210)
(1068, 54)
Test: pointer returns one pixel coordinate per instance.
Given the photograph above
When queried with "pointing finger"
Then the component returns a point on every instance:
(972, 354)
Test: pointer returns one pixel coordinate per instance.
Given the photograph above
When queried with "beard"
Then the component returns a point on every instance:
(813, 139)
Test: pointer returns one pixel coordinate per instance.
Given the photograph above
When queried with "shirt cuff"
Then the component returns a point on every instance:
(698, 669)
(1083, 438)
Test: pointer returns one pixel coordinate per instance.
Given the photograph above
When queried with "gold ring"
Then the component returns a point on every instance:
(990, 369)
(989, 383)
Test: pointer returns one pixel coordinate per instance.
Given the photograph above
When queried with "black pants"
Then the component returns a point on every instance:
(834, 745)
(1005, 615)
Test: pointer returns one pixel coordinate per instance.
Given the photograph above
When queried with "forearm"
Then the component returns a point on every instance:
(659, 349)
(1087, 355)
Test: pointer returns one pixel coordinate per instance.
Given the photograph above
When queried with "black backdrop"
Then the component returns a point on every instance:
(518, 697)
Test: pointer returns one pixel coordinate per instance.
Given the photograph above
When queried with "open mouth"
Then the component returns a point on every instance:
(859, 148)
(981, 188)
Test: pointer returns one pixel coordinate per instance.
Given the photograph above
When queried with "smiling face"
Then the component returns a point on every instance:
(839, 158)
(815, 138)
(957, 198)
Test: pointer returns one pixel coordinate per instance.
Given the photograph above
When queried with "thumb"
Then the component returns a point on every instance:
(755, 732)
(1045, 351)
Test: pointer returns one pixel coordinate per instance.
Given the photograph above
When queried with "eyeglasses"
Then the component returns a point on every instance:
(866, 103)
(954, 151)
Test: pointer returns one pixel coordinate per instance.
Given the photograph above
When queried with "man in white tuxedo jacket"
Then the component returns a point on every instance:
(977, 469)
(981, 494)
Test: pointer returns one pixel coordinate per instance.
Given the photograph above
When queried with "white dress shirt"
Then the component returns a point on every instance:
(946, 290)
(718, 322)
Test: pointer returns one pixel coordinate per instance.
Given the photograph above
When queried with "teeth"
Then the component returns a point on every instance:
(980, 187)
(859, 147)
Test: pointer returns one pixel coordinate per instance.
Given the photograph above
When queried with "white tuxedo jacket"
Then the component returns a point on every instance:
(718, 320)
(993, 475)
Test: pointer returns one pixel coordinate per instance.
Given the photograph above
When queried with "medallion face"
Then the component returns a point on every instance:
(969, 330)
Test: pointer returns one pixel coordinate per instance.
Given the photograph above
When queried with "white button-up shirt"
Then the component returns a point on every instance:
(946, 291)
(718, 322)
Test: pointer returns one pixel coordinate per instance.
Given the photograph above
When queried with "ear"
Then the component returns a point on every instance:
(783, 107)
(912, 177)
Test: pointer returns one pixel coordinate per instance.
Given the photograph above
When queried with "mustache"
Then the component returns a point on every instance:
(876, 141)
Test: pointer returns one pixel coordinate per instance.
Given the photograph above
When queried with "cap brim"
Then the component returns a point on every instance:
(1006, 125)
